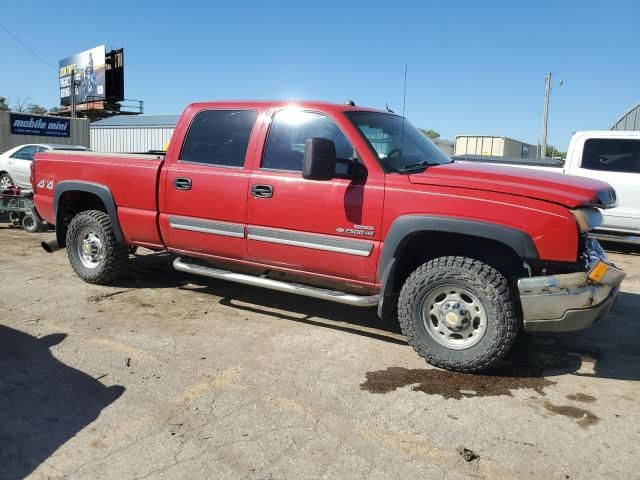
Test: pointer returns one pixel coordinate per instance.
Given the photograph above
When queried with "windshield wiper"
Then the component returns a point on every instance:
(418, 166)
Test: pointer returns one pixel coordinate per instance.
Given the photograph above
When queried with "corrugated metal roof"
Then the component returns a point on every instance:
(628, 121)
(138, 121)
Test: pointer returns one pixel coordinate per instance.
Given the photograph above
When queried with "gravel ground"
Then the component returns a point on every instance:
(170, 376)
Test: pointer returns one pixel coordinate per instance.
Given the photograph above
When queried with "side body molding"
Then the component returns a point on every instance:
(101, 191)
(404, 227)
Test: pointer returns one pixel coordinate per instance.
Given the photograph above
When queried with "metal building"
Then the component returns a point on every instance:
(132, 133)
(20, 128)
(630, 121)
(494, 146)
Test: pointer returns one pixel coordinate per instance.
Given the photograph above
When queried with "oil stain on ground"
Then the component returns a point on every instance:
(585, 417)
(581, 397)
(450, 384)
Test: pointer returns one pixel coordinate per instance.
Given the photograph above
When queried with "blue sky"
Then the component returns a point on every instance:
(475, 67)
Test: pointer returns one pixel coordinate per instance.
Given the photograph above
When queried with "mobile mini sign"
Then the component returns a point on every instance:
(40, 126)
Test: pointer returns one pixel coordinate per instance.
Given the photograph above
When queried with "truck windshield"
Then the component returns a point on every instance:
(400, 148)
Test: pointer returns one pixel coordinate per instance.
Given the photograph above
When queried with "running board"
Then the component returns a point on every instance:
(295, 288)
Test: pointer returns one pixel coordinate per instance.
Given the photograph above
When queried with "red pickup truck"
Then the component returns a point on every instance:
(347, 204)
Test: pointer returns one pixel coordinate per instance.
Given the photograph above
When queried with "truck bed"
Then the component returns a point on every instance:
(132, 180)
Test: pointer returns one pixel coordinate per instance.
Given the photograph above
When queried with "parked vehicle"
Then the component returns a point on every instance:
(611, 156)
(15, 164)
(346, 204)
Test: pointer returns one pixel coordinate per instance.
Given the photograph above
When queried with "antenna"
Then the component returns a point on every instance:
(404, 104)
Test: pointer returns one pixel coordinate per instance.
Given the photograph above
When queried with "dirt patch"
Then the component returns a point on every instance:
(450, 384)
(585, 417)
(581, 397)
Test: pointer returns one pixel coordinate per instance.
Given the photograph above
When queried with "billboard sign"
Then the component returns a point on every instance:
(22, 124)
(89, 70)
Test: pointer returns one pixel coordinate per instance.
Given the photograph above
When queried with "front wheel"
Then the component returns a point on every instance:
(92, 248)
(458, 313)
(5, 181)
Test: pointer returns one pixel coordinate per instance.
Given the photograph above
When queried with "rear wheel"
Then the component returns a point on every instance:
(458, 313)
(92, 248)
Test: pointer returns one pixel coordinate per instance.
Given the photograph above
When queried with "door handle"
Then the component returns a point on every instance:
(262, 191)
(182, 183)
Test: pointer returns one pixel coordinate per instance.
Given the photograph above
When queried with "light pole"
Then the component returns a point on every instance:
(545, 118)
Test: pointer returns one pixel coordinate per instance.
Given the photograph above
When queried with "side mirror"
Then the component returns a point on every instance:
(319, 159)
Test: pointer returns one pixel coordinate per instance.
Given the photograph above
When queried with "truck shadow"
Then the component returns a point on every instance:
(607, 350)
(43, 402)
(156, 271)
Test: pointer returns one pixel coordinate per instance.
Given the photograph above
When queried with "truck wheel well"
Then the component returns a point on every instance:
(70, 204)
(424, 246)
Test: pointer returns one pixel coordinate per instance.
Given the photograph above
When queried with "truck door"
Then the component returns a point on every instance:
(617, 162)
(205, 188)
(330, 228)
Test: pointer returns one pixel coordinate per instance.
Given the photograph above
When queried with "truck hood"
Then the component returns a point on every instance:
(567, 190)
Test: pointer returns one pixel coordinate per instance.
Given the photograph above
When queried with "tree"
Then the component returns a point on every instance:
(3, 105)
(21, 105)
(432, 134)
(54, 110)
(554, 152)
(36, 109)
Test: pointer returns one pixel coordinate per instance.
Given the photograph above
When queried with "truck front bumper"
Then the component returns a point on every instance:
(568, 302)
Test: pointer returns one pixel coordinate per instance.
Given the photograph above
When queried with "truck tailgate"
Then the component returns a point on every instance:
(131, 179)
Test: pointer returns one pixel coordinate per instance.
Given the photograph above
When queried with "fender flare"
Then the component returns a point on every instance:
(404, 227)
(100, 191)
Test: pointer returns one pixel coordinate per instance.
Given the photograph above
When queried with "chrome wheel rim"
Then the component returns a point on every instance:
(5, 182)
(90, 248)
(454, 317)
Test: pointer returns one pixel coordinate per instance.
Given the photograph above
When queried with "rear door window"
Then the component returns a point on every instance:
(219, 137)
(26, 153)
(612, 155)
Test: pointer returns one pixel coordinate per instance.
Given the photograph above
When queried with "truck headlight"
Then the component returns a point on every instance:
(587, 218)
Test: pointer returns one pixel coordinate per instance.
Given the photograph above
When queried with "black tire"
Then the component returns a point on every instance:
(113, 256)
(501, 313)
(30, 223)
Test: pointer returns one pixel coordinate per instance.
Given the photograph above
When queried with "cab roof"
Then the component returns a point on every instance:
(303, 104)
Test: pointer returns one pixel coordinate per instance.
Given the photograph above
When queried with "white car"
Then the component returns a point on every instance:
(15, 164)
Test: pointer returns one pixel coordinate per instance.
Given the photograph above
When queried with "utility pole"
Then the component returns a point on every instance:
(545, 119)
